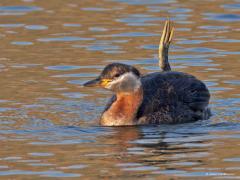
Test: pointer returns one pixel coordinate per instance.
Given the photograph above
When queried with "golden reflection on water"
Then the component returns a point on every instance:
(47, 120)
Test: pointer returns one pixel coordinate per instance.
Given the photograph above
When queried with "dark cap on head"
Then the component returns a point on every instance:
(117, 69)
(110, 72)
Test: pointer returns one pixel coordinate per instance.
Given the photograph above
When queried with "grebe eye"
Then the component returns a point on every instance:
(116, 75)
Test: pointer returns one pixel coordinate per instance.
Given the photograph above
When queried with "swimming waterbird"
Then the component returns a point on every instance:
(165, 97)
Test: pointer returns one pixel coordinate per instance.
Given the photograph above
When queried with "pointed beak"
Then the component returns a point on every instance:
(92, 83)
(97, 82)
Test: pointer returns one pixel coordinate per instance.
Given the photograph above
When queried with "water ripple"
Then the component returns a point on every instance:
(231, 6)
(222, 17)
(17, 10)
(133, 34)
(143, 2)
(41, 173)
(11, 25)
(22, 43)
(36, 27)
(63, 67)
(64, 39)
(20, 8)
(139, 20)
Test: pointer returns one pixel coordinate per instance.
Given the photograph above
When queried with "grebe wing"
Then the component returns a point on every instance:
(168, 90)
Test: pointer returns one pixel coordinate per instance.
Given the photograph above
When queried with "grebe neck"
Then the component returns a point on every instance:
(123, 111)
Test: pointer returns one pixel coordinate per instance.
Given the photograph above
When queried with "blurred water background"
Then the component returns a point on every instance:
(49, 123)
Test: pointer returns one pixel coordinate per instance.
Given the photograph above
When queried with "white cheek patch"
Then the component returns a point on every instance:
(130, 79)
(117, 81)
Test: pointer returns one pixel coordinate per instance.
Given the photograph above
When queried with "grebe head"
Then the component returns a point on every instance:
(118, 78)
(124, 81)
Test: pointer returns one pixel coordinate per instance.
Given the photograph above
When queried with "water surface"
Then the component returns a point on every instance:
(49, 122)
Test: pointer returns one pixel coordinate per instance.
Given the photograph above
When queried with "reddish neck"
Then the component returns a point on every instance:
(123, 111)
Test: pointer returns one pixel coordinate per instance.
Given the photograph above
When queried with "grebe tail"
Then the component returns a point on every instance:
(164, 44)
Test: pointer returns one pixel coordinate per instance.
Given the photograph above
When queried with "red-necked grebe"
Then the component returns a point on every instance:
(165, 97)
